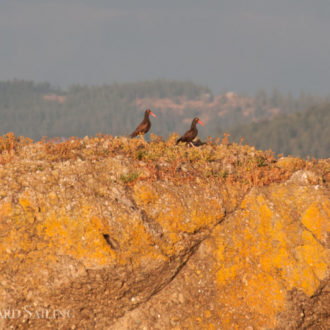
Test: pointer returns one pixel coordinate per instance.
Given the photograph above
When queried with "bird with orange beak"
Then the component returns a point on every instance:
(145, 125)
(190, 135)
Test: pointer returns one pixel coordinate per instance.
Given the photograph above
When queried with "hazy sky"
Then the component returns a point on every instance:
(239, 45)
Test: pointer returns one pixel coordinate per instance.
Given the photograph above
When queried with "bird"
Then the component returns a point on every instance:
(145, 125)
(192, 133)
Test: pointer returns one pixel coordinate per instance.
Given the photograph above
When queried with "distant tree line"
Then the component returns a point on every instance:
(301, 134)
(88, 110)
(111, 109)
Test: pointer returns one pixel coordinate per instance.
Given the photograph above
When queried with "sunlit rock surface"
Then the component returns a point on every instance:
(114, 233)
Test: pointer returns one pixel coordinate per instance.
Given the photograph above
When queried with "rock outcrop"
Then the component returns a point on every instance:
(111, 233)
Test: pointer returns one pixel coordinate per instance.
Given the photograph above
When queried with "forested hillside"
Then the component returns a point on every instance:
(37, 109)
(305, 133)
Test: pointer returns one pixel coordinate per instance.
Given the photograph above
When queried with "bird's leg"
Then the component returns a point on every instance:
(192, 145)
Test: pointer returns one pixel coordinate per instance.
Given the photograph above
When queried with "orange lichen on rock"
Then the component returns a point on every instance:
(101, 225)
(269, 252)
(54, 233)
(317, 220)
(178, 211)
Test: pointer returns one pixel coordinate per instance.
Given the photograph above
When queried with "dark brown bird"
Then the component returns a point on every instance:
(145, 125)
(192, 133)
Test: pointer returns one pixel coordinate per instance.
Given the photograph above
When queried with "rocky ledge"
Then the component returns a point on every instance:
(114, 233)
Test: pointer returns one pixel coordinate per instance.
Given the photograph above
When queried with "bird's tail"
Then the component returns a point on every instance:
(179, 140)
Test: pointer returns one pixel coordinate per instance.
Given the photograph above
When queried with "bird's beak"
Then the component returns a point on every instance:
(152, 114)
(199, 122)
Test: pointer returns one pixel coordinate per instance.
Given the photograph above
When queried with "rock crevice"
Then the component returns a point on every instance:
(106, 240)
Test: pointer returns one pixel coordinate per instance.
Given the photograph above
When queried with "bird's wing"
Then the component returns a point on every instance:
(140, 129)
(188, 136)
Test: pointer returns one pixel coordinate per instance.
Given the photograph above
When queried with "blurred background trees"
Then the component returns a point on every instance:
(286, 124)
